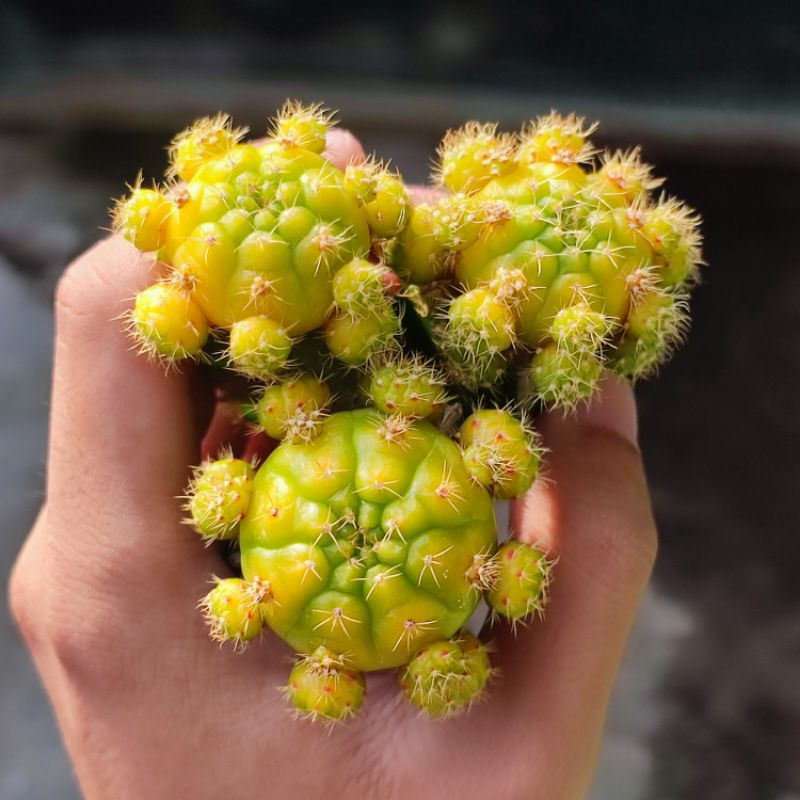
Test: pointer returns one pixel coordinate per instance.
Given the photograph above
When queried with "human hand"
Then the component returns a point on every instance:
(105, 589)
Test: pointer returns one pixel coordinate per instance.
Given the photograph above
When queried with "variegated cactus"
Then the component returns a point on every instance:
(398, 356)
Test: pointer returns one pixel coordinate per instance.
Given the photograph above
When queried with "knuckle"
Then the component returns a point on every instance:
(617, 506)
(73, 290)
(21, 603)
(76, 644)
(68, 294)
(76, 623)
(88, 289)
(49, 624)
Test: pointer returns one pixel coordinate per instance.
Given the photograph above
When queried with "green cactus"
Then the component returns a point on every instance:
(219, 496)
(367, 537)
(166, 322)
(408, 387)
(521, 578)
(294, 408)
(253, 232)
(445, 677)
(363, 340)
(500, 452)
(235, 610)
(577, 266)
(322, 686)
(258, 347)
(366, 542)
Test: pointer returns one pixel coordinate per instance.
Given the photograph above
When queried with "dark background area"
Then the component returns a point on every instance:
(708, 700)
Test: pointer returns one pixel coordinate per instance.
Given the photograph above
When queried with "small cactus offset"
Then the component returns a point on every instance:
(397, 357)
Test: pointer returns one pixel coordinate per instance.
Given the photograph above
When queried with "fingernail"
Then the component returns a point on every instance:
(612, 408)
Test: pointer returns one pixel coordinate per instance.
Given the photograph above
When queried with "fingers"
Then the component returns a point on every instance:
(534, 518)
(594, 515)
(122, 431)
(425, 194)
(226, 430)
(342, 148)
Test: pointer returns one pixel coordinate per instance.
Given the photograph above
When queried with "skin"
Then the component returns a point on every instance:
(105, 587)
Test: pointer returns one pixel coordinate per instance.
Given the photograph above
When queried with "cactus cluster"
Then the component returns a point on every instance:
(249, 238)
(397, 355)
(541, 261)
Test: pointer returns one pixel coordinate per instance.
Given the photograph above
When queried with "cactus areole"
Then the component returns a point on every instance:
(398, 354)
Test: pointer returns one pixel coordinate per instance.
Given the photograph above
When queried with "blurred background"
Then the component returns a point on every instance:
(707, 704)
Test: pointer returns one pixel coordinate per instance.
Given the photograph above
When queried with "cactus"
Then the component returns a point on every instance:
(366, 542)
(520, 581)
(219, 496)
(166, 322)
(252, 236)
(367, 537)
(236, 609)
(322, 686)
(294, 408)
(500, 452)
(259, 347)
(445, 677)
(560, 265)
(367, 549)
(409, 388)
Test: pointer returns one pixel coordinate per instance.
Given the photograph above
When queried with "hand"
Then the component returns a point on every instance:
(105, 589)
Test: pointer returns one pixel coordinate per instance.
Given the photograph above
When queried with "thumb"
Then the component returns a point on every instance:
(594, 515)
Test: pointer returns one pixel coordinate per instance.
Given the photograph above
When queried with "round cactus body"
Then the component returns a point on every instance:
(168, 323)
(258, 231)
(323, 686)
(219, 496)
(520, 581)
(235, 610)
(367, 543)
(293, 408)
(533, 230)
(408, 387)
(500, 452)
(444, 677)
(259, 347)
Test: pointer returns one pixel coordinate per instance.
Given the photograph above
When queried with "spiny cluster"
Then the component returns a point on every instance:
(542, 261)
(293, 408)
(218, 497)
(248, 239)
(321, 686)
(444, 678)
(521, 579)
(367, 537)
(372, 547)
(365, 323)
(236, 610)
